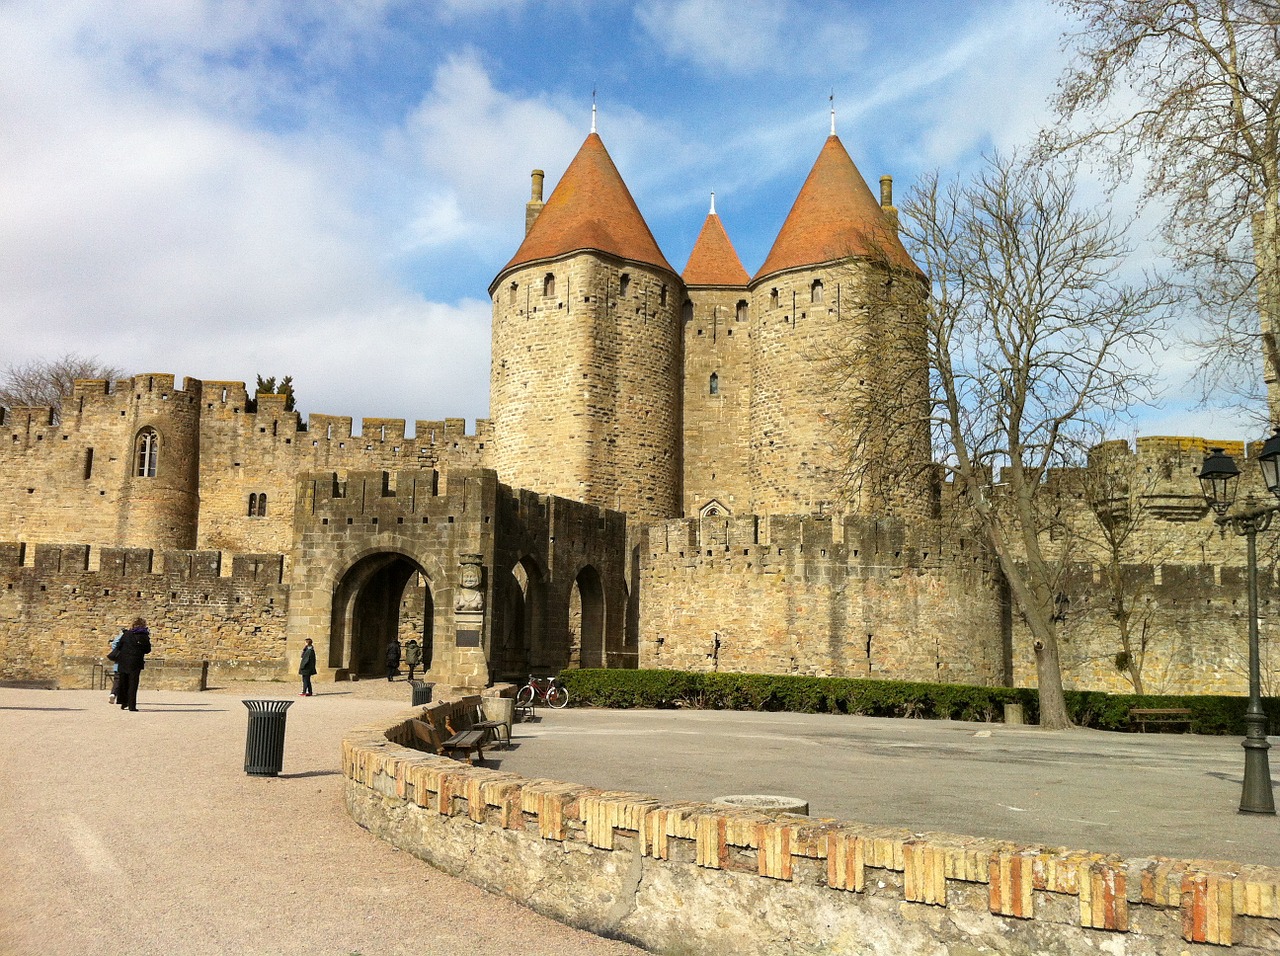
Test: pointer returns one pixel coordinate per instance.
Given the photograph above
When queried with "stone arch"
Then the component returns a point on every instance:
(587, 620)
(520, 631)
(367, 609)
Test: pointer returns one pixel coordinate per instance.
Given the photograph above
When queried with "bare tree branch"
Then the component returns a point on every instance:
(43, 383)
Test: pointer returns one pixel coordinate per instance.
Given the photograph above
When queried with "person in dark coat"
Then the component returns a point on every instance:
(393, 659)
(135, 645)
(307, 667)
(412, 657)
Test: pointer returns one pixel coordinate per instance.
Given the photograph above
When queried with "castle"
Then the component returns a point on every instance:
(671, 477)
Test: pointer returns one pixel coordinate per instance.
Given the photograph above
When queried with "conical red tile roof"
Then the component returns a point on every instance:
(590, 208)
(835, 216)
(714, 261)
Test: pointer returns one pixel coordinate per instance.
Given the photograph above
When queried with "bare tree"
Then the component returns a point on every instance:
(43, 383)
(1036, 343)
(1192, 89)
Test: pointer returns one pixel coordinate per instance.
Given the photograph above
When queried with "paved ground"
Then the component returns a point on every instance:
(140, 833)
(129, 834)
(1135, 794)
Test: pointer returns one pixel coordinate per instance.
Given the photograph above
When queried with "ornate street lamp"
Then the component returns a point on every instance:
(1218, 476)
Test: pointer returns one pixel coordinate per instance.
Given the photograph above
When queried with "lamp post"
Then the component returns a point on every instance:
(1218, 476)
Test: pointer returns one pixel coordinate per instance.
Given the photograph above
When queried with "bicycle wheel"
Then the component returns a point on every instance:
(525, 696)
(557, 697)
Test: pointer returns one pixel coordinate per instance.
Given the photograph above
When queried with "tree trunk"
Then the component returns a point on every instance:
(1053, 702)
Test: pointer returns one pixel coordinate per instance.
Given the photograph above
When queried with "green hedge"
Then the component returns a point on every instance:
(882, 698)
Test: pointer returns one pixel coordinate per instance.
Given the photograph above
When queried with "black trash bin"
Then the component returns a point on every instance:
(264, 745)
(421, 692)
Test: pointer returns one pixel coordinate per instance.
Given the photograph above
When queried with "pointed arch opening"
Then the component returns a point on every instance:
(146, 453)
(521, 630)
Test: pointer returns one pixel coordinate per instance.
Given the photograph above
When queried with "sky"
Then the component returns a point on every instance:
(324, 189)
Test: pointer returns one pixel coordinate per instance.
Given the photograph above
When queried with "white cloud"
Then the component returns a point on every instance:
(751, 36)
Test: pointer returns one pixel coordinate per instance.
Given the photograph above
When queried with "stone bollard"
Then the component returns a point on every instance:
(1013, 715)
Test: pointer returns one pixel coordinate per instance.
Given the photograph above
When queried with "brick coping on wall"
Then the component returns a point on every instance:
(830, 872)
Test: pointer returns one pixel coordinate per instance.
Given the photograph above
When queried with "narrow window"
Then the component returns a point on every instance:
(815, 292)
(624, 283)
(514, 286)
(262, 505)
(224, 394)
(88, 463)
(148, 451)
(686, 313)
(662, 295)
(328, 432)
(549, 284)
(773, 298)
(741, 314)
(715, 384)
(253, 505)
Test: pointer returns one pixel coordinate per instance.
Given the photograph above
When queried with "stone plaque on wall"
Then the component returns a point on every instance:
(468, 637)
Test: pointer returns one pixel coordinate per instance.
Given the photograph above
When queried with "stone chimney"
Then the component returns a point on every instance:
(886, 201)
(535, 204)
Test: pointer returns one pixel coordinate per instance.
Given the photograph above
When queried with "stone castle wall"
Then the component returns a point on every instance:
(217, 450)
(849, 598)
(70, 600)
(585, 387)
(822, 358)
(717, 341)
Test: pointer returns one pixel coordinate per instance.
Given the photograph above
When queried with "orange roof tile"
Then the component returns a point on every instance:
(590, 208)
(714, 260)
(835, 216)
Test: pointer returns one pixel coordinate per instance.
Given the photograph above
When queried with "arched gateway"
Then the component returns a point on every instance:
(483, 577)
(383, 597)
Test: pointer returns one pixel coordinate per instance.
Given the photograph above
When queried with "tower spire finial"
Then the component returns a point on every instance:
(832, 99)
(713, 203)
(593, 109)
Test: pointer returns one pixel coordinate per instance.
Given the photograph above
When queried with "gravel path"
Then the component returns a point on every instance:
(128, 834)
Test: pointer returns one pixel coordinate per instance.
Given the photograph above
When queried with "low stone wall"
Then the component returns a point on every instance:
(685, 878)
(80, 673)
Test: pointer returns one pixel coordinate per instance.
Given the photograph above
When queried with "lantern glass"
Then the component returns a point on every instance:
(1269, 462)
(1218, 477)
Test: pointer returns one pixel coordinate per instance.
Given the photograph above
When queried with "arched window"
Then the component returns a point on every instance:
(715, 384)
(549, 284)
(262, 505)
(815, 292)
(742, 310)
(147, 453)
(253, 505)
(686, 311)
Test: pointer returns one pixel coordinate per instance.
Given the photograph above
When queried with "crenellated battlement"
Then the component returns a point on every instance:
(763, 542)
(140, 564)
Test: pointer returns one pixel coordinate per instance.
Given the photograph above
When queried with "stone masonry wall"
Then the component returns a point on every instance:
(54, 606)
(717, 341)
(585, 386)
(834, 376)
(681, 878)
(790, 595)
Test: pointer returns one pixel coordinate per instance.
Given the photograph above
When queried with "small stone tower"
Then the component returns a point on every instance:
(159, 498)
(717, 375)
(585, 381)
(839, 373)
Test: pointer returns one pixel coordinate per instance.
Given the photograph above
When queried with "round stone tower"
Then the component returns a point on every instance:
(159, 499)
(838, 415)
(585, 381)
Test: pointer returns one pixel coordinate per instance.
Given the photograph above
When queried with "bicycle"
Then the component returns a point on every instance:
(545, 689)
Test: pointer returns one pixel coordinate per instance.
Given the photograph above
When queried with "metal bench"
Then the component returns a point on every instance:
(1160, 716)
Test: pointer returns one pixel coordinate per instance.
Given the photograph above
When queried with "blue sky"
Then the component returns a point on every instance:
(326, 189)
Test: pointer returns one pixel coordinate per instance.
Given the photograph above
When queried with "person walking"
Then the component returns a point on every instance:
(115, 667)
(131, 657)
(307, 667)
(412, 657)
(393, 659)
